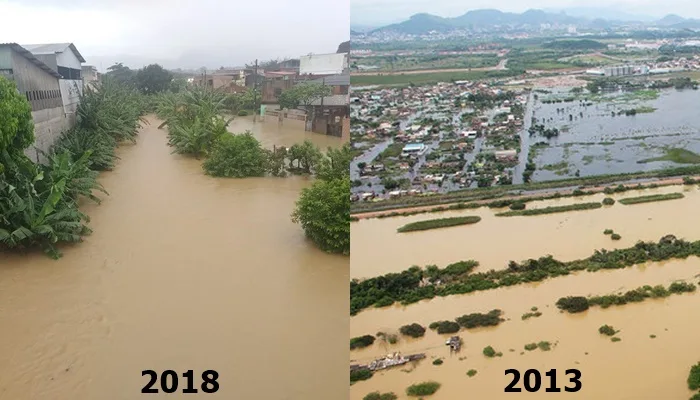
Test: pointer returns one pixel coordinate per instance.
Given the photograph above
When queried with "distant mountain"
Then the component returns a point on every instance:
(670, 19)
(609, 14)
(477, 19)
(358, 28)
(485, 19)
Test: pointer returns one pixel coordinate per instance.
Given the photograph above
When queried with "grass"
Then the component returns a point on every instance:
(423, 389)
(651, 198)
(551, 210)
(676, 155)
(438, 223)
(429, 77)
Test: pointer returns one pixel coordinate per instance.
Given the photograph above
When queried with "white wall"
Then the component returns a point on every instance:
(323, 64)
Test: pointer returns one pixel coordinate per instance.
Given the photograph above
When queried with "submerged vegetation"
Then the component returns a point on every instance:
(439, 223)
(650, 198)
(413, 330)
(417, 284)
(576, 304)
(551, 209)
(39, 202)
(196, 127)
(423, 389)
(361, 342)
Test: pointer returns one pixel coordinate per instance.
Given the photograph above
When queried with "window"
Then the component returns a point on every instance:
(278, 92)
(27, 94)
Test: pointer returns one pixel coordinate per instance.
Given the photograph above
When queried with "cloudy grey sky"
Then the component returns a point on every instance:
(379, 12)
(179, 33)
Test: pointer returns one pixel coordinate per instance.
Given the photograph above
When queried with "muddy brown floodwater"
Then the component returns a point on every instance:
(638, 367)
(183, 271)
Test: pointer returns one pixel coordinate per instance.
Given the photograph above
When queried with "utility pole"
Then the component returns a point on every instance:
(255, 91)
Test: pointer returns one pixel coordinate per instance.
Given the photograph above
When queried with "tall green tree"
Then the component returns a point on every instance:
(121, 74)
(323, 210)
(303, 94)
(153, 79)
(16, 125)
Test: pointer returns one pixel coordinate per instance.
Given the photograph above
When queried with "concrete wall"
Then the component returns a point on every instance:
(70, 94)
(48, 126)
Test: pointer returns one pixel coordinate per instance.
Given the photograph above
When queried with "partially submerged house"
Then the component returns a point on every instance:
(330, 115)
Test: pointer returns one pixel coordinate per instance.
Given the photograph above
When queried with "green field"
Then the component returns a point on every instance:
(427, 78)
(650, 198)
(679, 156)
(439, 223)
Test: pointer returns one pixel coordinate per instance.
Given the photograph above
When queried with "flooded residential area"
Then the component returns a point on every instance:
(535, 217)
(157, 215)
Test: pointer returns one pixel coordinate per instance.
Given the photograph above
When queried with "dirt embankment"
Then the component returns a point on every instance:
(566, 192)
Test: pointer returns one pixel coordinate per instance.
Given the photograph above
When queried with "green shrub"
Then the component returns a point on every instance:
(608, 201)
(689, 181)
(551, 209)
(489, 352)
(530, 346)
(423, 389)
(361, 341)
(474, 320)
(696, 396)
(652, 336)
(544, 346)
(518, 205)
(237, 156)
(694, 377)
(471, 373)
(573, 304)
(681, 287)
(437, 361)
(530, 315)
(380, 396)
(439, 223)
(615, 236)
(360, 375)
(447, 327)
(413, 330)
(242, 113)
(608, 232)
(650, 198)
(578, 192)
(607, 330)
(615, 339)
(434, 325)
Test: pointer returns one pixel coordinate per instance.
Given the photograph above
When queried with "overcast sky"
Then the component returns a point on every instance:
(373, 12)
(179, 33)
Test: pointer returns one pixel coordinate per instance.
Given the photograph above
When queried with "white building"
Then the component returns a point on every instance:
(323, 64)
(65, 59)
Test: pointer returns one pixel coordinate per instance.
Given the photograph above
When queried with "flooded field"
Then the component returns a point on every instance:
(496, 240)
(183, 271)
(606, 367)
(594, 142)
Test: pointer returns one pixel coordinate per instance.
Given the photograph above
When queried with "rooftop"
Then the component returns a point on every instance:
(413, 146)
(29, 56)
(334, 100)
(53, 48)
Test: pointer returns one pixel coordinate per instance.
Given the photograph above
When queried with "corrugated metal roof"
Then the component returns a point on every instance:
(334, 100)
(335, 80)
(53, 48)
(29, 56)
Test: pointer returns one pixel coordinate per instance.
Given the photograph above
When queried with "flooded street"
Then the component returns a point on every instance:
(183, 271)
(661, 364)
(496, 240)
